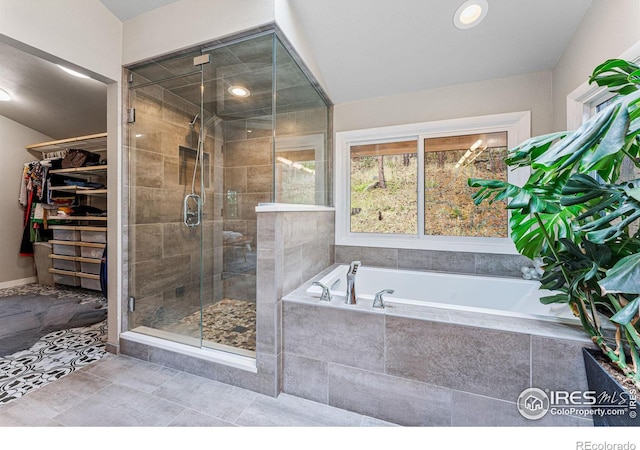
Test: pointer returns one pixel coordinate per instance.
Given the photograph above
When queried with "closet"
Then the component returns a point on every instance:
(77, 214)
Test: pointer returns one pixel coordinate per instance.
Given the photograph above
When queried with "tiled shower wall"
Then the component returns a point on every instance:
(249, 180)
(163, 253)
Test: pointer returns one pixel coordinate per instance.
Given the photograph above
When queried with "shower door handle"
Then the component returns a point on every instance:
(191, 210)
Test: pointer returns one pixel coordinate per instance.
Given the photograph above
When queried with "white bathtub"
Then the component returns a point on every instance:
(504, 296)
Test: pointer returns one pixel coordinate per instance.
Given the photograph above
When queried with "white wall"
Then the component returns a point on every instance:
(608, 29)
(531, 92)
(15, 138)
(288, 21)
(80, 32)
(186, 23)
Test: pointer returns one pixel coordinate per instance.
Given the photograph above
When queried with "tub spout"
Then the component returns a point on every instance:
(326, 293)
(378, 301)
(350, 298)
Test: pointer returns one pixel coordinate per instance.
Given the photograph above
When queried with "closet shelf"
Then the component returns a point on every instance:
(88, 170)
(79, 190)
(78, 243)
(70, 273)
(76, 258)
(93, 143)
(78, 218)
(77, 228)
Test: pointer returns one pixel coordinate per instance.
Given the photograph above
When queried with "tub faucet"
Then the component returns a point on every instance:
(350, 299)
(378, 301)
(326, 293)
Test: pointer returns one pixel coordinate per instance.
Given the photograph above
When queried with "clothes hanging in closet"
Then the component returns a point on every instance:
(33, 189)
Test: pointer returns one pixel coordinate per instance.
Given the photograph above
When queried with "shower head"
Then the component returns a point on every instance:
(193, 122)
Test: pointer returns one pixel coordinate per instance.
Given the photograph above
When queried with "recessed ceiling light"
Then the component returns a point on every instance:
(239, 91)
(72, 72)
(4, 96)
(470, 13)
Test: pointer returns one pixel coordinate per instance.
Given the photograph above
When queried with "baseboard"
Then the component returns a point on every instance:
(20, 282)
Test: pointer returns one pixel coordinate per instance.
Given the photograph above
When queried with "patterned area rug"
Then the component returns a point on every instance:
(55, 355)
(228, 322)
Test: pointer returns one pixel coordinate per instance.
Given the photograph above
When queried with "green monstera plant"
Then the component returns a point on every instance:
(578, 215)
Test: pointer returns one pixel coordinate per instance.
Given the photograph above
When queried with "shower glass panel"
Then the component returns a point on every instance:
(302, 158)
(201, 158)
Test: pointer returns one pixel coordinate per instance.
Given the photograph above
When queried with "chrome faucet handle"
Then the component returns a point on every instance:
(326, 293)
(353, 268)
(378, 301)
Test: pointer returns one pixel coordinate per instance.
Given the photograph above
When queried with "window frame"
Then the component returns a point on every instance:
(518, 128)
(581, 102)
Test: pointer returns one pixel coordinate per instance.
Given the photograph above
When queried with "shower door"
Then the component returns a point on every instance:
(165, 255)
(200, 161)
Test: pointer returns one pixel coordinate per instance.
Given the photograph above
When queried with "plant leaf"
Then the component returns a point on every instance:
(623, 277)
(626, 314)
(557, 298)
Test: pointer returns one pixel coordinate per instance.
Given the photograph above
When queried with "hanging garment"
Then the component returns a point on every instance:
(26, 246)
(23, 196)
(103, 273)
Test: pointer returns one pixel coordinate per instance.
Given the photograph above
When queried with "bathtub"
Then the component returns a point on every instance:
(483, 294)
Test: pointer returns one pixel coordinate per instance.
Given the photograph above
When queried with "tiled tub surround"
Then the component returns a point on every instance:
(294, 243)
(423, 366)
(441, 261)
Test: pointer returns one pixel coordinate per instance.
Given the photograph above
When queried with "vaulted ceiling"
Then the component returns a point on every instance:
(363, 49)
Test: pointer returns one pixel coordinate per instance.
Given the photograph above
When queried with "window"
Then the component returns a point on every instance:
(406, 186)
(448, 163)
(384, 181)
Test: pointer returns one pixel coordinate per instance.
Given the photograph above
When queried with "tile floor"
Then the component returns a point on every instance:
(67, 380)
(119, 391)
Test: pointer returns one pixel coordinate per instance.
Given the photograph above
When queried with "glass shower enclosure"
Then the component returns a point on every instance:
(213, 132)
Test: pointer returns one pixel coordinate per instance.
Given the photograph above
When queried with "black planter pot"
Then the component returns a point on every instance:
(614, 405)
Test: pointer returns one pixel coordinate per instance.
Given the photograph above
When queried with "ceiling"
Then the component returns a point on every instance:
(370, 48)
(362, 48)
(49, 100)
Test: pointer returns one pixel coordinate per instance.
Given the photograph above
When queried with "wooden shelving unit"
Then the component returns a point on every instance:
(79, 241)
(94, 143)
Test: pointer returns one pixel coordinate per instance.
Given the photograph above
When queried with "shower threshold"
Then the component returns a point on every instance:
(210, 351)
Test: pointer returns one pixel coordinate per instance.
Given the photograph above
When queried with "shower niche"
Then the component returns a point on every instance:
(210, 141)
